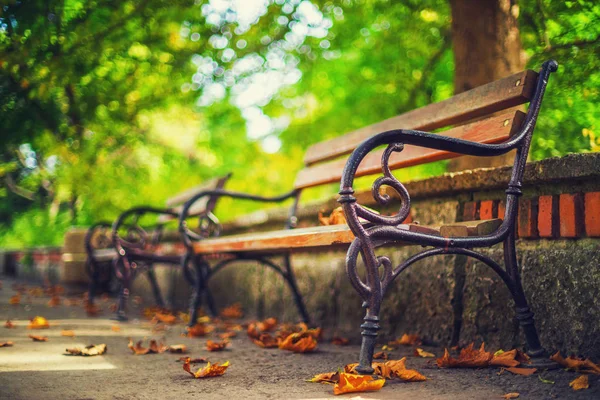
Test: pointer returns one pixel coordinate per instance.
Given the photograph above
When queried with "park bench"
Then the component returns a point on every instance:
(139, 246)
(484, 121)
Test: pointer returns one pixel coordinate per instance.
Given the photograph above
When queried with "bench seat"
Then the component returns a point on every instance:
(326, 237)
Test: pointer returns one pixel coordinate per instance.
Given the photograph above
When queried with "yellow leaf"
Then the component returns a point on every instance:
(580, 383)
(350, 383)
(513, 395)
(422, 353)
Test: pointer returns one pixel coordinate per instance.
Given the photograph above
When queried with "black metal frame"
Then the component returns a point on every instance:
(384, 230)
(204, 271)
(98, 269)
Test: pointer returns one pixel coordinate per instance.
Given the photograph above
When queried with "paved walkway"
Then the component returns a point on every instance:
(39, 370)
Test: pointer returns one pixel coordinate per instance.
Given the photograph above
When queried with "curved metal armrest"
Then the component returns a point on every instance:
(189, 235)
(136, 212)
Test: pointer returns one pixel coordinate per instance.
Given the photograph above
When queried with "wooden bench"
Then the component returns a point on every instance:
(140, 247)
(482, 122)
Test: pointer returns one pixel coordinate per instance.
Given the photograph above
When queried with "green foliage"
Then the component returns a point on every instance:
(105, 104)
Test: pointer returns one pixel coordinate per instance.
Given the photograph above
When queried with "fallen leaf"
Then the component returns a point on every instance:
(327, 377)
(513, 395)
(153, 347)
(505, 358)
(91, 350)
(210, 370)
(8, 324)
(38, 323)
(36, 292)
(54, 301)
(192, 360)
(38, 338)
(6, 344)
(115, 328)
(178, 348)
(227, 335)
(165, 318)
(398, 368)
(576, 364)
(336, 217)
(198, 330)
(422, 353)
(15, 300)
(340, 341)
(386, 347)
(407, 340)
(266, 341)
(350, 383)
(233, 312)
(522, 371)
(381, 356)
(268, 325)
(548, 381)
(582, 382)
(468, 358)
(67, 333)
(299, 343)
(216, 346)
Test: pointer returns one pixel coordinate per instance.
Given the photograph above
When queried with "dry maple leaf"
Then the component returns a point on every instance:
(198, 330)
(67, 333)
(234, 311)
(582, 382)
(54, 301)
(153, 347)
(38, 323)
(165, 318)
(398, 368)
(266, 341)
(468, 358)
(8, 324)
(422, 353)
(192, 360)
(350, 383)
(505, 358)
(216, 346)
(227, 335)
(91, 350)
(6, 344)
(327, 377)
(513, 395)
(522, 371)
(15, 300)
(267, 325)
(336, 217)
(576, 364)
(210, 370)
(340, 341)
(38, 338)
(407, 340)
(299, 343)
(381, 355)
(177, 348)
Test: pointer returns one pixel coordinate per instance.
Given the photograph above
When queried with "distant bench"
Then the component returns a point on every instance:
(481, 122)
(139, 245)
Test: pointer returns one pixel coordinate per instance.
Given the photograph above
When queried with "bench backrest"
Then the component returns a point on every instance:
(485, 114)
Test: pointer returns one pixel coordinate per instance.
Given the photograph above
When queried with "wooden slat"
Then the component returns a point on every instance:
(491, 130)
(483, 100)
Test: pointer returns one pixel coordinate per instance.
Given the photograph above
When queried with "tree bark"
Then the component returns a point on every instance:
(487, 47)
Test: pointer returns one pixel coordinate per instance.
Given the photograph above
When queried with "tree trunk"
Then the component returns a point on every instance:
(487, 47)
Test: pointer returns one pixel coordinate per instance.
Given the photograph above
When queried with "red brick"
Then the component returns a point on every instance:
(592, 214)
(571, 215)
(548, 216)
(470, 211)
(501, 209)
(486, 209)
(527, 219)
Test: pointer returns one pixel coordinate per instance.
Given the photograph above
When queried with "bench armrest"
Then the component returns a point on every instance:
(120, 243)
(189, 236)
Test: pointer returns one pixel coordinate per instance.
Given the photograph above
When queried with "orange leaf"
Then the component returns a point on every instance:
(54, 301)
(582, 382)
(266, 341)
(522, 371)
(233, 312)
(398, 368)
(8, 324)
(6, 344)
(337, 217)
(513, 395)
(407, 340)
(178, 348)
(153, 347)
(15, 300)
(91, 350)
(227, 335)
(68, 333)
(38, 338)
(340, 341)
(38, 323)
(327, 377)
(210, 370)
(468, 358)
(268, 325)
(381, 356)
(115, 328)
(505, 359)
(299, 343)
(216, 346)
(198, 330)
(165, 318)
(422, 353)
(576, 364)
(192, 360)
(350, 383)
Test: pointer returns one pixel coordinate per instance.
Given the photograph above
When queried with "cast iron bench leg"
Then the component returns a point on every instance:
(94, 275)
(199, 288)
(291, 280)
(154, 284)
(121, 314)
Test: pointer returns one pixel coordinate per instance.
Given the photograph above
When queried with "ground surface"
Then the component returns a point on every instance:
(39, 370)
